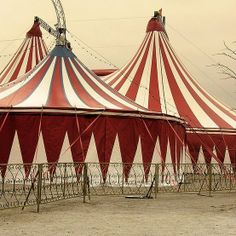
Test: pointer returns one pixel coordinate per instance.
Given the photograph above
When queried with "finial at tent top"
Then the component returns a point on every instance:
(158, 13)
(157, 23)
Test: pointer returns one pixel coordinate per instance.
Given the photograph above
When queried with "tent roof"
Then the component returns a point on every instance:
(156, 79)
(62, 81)
(29, 54)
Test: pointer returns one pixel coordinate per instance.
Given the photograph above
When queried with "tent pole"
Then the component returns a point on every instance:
(39, 186)
(210, 179)
(156, 179)
(85, 179)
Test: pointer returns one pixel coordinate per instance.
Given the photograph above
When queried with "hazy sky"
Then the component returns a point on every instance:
(115, 29)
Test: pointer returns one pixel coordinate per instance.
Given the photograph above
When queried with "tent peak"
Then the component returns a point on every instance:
(157, 22)
(34, 31)
(62, 51)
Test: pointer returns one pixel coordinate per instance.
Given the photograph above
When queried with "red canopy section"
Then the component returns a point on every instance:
(156, 79)
(29, 54)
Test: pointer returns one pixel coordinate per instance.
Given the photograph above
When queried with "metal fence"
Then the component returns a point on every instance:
(23, 185)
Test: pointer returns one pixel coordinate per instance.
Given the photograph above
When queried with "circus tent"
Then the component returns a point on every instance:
(61, 99)
(156, 79)
(32, 50)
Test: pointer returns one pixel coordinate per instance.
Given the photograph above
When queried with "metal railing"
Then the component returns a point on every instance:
(23, 185)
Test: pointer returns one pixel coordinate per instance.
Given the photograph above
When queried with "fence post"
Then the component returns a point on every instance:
(64, 181)
(210, 179)
(184, 175)
(39, 185)
(3, 184)
(156, 179)
(230, 177)
(85, 177)
(123, 180)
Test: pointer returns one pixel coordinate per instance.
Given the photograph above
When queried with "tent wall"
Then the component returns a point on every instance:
(216, 147)
(79, 130)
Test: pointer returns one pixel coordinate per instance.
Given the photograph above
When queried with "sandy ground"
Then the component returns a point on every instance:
(169, 214)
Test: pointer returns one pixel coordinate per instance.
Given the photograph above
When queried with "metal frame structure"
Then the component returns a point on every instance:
(60, 31)
(24, 185)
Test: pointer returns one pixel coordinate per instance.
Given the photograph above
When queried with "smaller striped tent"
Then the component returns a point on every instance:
(30, 53)
(155, 78)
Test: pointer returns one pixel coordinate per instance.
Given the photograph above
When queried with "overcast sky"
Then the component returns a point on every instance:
(115, 29)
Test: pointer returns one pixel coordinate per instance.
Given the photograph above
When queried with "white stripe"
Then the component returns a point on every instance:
(10, 62)
(92, 155)
(33, 52)
(37, 51)
(138, 154)
(65, 155)
(18, 85)
(213, 157)
(40, 95)
(167, 101)
(201, 158)
(16, 63)
(116, 155)
(142, 97)
(156, 158)
(123, 90)
(90, 90)
(117, 73)
(205, 99)
(227, 157)
(15, 154)
(202, 116)
(72, 97)
(40, 152)
(103, 87)
(25, 61)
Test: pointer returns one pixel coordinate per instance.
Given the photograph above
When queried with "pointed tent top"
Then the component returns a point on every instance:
(157, 22)
(32, 50)
(34, 31)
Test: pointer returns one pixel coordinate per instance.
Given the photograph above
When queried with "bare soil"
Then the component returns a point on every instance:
(169, 214)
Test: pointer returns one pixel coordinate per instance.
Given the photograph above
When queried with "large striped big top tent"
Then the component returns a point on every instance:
(156, 79)
(67, 111)
(29, 54)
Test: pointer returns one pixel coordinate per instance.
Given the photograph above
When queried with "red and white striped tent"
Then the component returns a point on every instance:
(156, 79)
(66, 111)
(29, 54)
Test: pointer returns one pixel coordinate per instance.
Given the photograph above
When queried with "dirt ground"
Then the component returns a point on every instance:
(169, 214)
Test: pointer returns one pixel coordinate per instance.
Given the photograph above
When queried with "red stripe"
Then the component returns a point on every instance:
(45, 48)
(126, 67)
(30, 58)
(202, 91)
(40, 50)
(21, 94)
(134, 87)
(17, 70)
(36, 50)
(79, 89)
(218, 120)
(154, 103)
(120, 84)
(96, 88)
(103, 84)
(13, 62)
(57, 97)
(180, 102)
